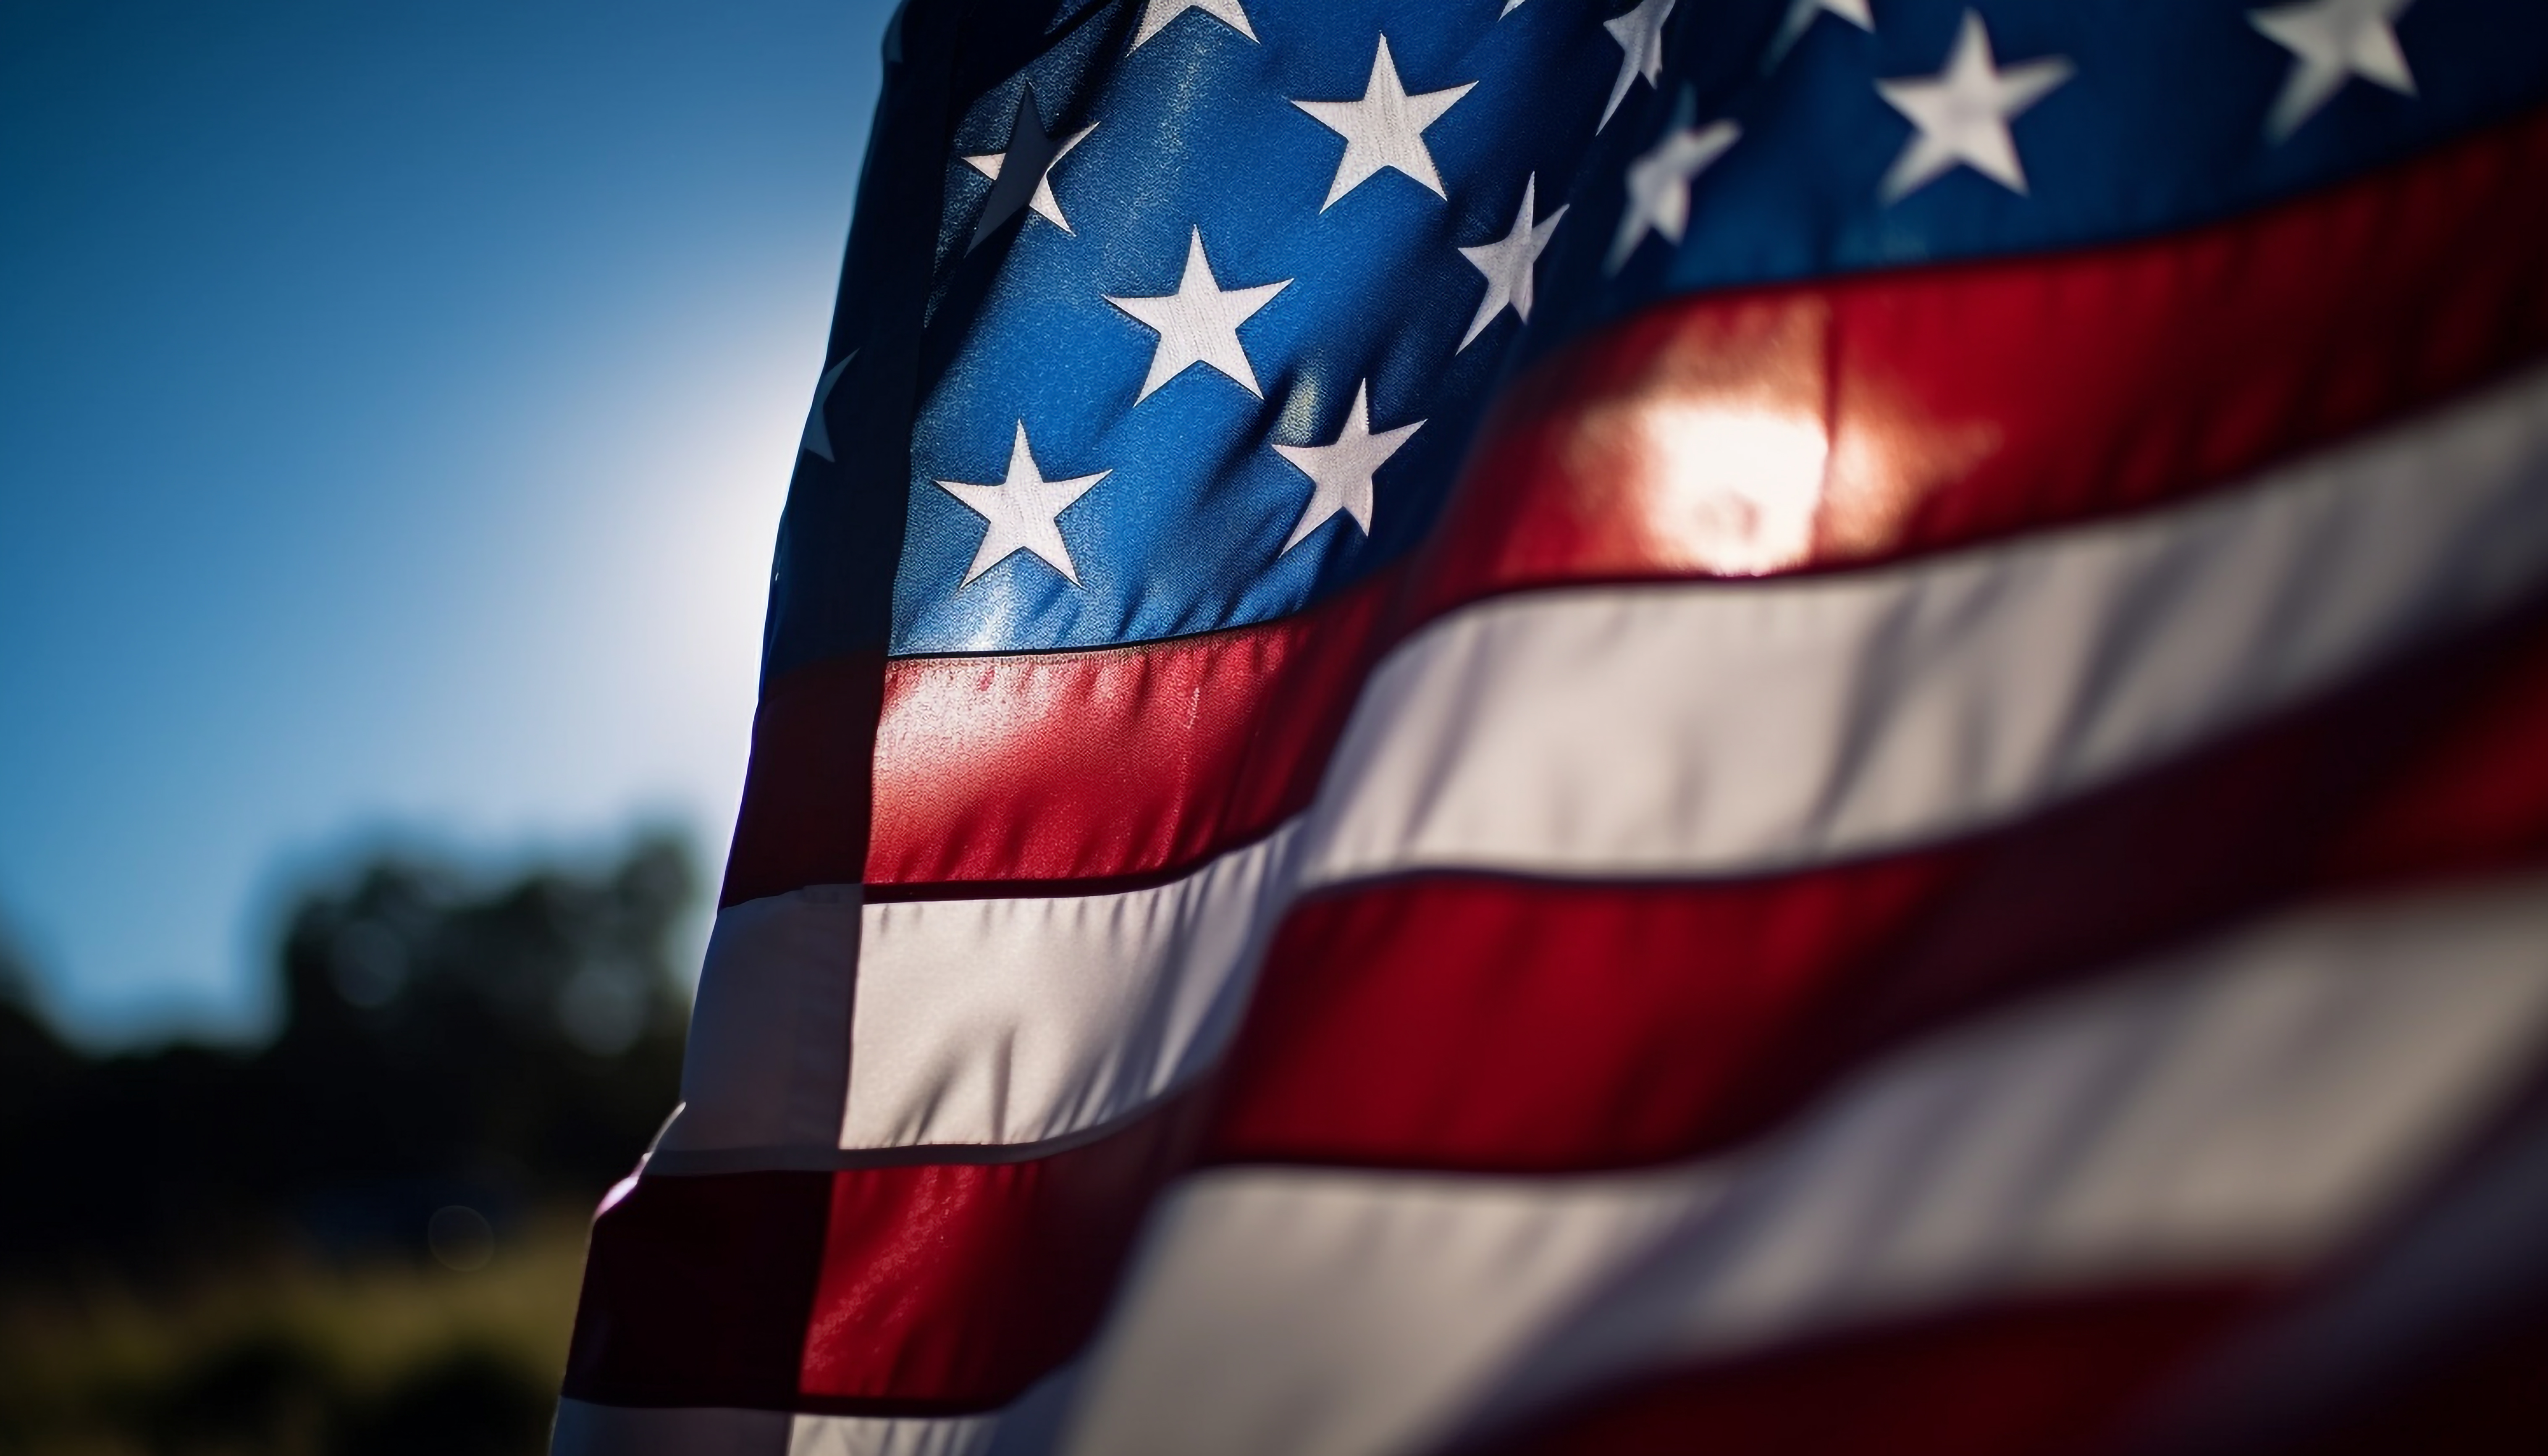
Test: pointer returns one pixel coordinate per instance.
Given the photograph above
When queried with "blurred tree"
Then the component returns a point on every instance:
(444, 1041)
(37, 1073)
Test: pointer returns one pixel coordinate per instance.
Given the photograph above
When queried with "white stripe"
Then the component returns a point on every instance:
(769, 1039)
(2243, 1107)
(1725, 727)
(1019, 1020)
(901, 1435)
(1716, 728)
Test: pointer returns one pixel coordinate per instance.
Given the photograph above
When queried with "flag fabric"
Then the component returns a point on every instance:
(1557, 725)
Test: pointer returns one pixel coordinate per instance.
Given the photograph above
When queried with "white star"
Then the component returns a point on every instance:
(2331, 42)
(1022, 510)
(1385, 129)
(1508, 263)
(1801, 13)
(1341, 473)
(1963, 112)
(1158, 12)
(1659, 185)
(1199, 323)
(1042, 204)
(818, 431)
(1640, 34)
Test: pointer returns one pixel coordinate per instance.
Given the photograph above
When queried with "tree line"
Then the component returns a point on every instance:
(445, 1040)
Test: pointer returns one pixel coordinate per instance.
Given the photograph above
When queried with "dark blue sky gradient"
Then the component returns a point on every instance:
(395, 404)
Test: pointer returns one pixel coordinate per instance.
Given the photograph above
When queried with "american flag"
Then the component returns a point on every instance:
(1552, 725)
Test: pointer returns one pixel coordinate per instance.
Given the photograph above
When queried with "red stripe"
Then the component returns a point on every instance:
(1969, 403)
(2053, 1376)
(1491, 1024)
(956, 1285)
(1104, 764)
(921, 1289)
(1962, 405)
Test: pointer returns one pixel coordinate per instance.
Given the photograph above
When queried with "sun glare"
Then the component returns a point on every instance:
(1732, 489)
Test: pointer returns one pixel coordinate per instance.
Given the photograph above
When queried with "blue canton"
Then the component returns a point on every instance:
(1199, 142)
(2167, 120)
(1220, 287)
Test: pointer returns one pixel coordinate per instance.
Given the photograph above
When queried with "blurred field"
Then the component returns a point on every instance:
(296, 1356)
(364, 1236)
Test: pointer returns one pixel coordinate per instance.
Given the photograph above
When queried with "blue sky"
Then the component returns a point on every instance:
(396, 406)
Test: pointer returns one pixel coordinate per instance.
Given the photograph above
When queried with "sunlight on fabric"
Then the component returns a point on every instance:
(1734, 489)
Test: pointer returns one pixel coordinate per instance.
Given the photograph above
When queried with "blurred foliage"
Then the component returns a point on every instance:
(291, 1355)
(212, 1251)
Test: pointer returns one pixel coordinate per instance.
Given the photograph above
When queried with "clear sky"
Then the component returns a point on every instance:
(396, 405)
